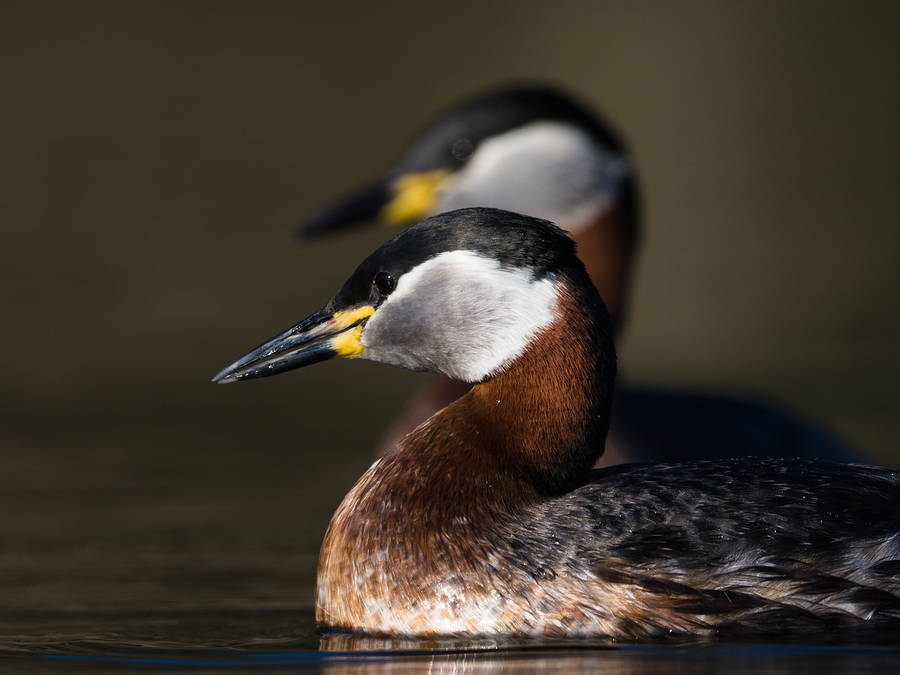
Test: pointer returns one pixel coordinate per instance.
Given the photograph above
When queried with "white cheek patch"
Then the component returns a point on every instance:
(548, 170)
(460, 314)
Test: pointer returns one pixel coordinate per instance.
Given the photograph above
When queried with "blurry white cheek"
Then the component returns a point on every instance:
(548, 170)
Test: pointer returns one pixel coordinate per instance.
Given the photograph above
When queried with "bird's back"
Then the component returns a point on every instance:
(751, 542)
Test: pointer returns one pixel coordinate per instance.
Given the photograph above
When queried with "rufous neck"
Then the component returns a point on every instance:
(548, 412)
(607, 245)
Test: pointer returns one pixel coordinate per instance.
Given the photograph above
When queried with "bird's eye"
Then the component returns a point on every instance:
(384, 282)
(462, 149)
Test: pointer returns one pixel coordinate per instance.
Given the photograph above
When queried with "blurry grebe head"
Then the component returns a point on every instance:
(461, 294)
(531, 149)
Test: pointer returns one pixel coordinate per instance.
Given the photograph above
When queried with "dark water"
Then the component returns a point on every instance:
(243, 640)
(138, 552)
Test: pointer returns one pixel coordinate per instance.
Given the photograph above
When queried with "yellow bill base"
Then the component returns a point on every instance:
(346, 345)
(414, 195)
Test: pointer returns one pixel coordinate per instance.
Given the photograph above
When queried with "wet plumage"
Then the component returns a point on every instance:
(760, 546)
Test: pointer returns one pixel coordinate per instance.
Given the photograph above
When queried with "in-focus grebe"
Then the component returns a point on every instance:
(487, 519)
(534, 149)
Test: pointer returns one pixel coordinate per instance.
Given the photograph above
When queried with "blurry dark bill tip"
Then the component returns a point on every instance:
(358, 208)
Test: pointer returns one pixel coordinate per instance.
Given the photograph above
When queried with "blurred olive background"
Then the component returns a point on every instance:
(157, 154)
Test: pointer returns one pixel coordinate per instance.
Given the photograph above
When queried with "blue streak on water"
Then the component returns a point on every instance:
(243, 660)
(290, 658)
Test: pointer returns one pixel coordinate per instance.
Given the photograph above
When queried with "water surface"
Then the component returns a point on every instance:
(245, 640)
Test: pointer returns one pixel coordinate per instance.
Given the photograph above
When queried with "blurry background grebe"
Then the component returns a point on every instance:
(156, 157)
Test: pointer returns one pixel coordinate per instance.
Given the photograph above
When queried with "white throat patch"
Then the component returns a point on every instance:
(460, 314)
(549, 170)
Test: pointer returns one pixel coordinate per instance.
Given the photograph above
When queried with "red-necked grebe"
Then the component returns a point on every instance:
(536, 150)
(487, 519)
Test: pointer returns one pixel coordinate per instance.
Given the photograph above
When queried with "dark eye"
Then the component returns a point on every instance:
(384, 282)
(462, 149)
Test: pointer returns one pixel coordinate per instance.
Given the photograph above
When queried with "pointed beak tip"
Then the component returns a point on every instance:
(225, 376)
(356, 208)
(324, 334)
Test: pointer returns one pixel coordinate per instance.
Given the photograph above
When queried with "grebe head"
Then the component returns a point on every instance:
(461, 294)
(530, 149)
